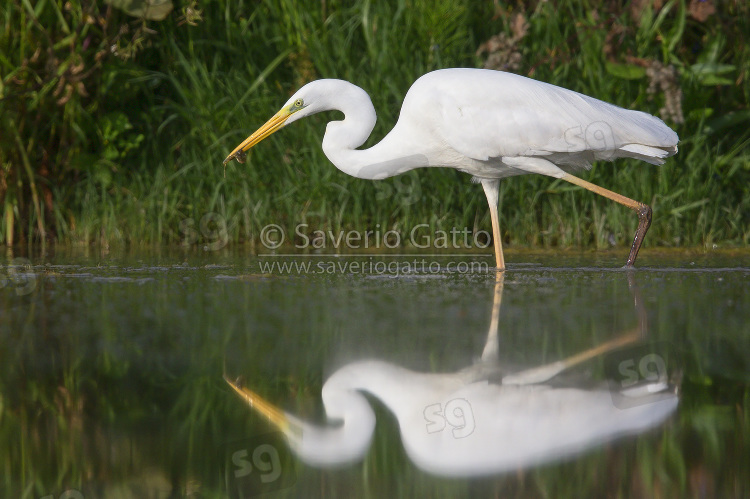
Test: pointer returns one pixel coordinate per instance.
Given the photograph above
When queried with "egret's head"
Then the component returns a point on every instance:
(324, 446)
(308, 100)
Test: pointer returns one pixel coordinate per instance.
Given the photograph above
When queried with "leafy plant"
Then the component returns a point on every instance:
(116, 126)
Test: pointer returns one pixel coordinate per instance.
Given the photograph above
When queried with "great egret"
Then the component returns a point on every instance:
(487, 123)
(483, 419)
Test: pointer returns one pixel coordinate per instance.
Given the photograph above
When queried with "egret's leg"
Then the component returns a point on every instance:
(640, 308)
(499, 258)
(491, 188)
(491, 348)
(643, 211)
(544, 373)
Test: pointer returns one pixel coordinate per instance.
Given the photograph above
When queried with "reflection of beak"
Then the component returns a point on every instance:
(261, 133)
(275, 415)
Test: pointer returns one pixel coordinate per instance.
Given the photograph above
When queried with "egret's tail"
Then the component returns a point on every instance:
(649, 154)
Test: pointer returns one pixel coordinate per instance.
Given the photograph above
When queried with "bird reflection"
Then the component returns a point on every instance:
(481, 420)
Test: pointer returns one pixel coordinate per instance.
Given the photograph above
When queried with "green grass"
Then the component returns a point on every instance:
(137, 158)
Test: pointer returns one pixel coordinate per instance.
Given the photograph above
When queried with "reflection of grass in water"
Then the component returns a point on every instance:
(121, 382)
(91, 394)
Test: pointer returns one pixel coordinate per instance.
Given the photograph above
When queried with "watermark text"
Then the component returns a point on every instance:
(371, 266)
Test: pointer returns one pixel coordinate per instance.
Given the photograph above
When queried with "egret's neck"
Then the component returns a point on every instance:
(347, 436)
(390, 157)
(352, 420)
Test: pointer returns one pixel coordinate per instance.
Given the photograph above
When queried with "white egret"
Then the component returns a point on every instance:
(483, 419)
(453, 424)
(489, 124)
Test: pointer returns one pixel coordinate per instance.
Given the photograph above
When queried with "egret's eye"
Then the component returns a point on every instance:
(298, 103)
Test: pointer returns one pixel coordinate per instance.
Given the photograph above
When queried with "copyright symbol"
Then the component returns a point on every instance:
(272, 236)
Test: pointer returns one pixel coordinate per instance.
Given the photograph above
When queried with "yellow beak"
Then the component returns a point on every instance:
(275, 415)
(261, 133)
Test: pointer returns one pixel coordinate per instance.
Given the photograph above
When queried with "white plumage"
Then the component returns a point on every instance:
(486, 123)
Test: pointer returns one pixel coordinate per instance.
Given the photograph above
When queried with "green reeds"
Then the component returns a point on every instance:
(138, 159)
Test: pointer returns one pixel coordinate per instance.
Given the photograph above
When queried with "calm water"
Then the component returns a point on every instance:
(113, 372)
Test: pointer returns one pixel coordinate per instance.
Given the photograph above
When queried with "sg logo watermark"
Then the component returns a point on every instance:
(17, 277)
(640, 375)
(211, 231)
(455, 413)
(406, 188)
(596, 136)
(68, 494)
(259, 465)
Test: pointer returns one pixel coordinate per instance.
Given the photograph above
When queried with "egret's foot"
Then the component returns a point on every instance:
(644, 222)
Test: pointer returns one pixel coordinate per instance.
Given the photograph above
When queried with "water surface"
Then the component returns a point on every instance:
(113, 371)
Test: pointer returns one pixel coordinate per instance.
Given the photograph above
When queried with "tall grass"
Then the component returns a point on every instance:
(138, 159)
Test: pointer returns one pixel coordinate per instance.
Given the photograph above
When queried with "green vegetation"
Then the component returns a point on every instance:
(114, 128)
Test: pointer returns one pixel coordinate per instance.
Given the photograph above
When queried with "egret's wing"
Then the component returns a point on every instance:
(490, 114)
(498, 126)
